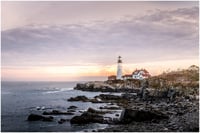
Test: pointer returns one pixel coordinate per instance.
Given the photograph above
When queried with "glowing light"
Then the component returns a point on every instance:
(75, 72)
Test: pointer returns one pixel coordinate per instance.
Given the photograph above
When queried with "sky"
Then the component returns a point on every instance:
(79, 41)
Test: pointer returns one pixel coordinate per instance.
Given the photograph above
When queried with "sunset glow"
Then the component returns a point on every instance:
(82, 40)
(71, 73)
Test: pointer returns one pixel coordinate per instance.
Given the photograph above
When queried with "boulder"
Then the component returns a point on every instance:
(79, 98)
(95, 86)
(86, 118)
(129, 96)
(90, 116)
(108, 97)
(91, 110)
(36, 117)
(99, 86)
(96, 100)
(72, 107)
(57, 112)
(129, 115)
(110, 107)
(80, 86)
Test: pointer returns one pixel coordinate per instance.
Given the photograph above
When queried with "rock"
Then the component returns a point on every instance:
(72, 107)
(129, 95)
(98, 86)
(57, 112)
(101, 107)
(115, 121)
(129, 115)
(95, 86)
(61, 121)
(85, 99)
(79, 98)
(86, 118)
(110, 108)
(71, 111)
(50, 118)
(108, 97)
(96, 100)
(116, 114)
(91, 110)
(90, 116)
(36, 117)
(80, 86)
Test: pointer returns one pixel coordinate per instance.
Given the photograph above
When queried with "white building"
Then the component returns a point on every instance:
(140, 74)
(119, 68)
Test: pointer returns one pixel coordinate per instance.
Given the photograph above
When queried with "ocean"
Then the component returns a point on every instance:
(19, 99)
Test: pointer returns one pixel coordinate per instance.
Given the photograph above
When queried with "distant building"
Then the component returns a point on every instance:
(112, 77)
(127, 76)
(119, 68)
(140, 74)
(137, 74)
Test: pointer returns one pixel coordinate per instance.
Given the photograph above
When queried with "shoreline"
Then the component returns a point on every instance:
(178, 104)
(119, 106)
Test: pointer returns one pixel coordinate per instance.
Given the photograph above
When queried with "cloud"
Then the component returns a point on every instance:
(159, 35)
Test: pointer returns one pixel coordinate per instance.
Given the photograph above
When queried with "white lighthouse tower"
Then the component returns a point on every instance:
(119, 68)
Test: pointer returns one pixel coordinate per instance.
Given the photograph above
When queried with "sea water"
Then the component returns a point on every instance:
(19, 99)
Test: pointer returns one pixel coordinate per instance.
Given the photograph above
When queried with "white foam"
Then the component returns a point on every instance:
(66, 89)
(58, 90)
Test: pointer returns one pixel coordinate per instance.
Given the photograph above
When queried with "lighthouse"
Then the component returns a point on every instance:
(119, 68)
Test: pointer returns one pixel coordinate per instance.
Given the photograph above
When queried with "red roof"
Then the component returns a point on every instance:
(112, 76)
(136, 71)
(127, 75)
(146, 75)
(144, 70)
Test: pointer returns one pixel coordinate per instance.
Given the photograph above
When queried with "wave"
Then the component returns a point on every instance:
(56, 90)
(66, 89)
